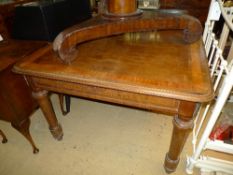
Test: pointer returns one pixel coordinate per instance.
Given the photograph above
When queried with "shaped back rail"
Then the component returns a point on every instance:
(114, 22)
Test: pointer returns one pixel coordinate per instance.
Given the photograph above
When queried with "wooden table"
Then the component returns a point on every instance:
(149, 70)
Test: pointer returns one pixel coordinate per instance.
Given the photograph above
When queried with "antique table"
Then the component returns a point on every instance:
(126, 62)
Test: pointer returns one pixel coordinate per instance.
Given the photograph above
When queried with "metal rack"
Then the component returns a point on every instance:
(219, 51)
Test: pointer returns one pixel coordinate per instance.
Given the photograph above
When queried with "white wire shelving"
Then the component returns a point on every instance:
(218, 42)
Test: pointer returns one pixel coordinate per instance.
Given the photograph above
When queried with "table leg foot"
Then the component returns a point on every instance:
(4, 139)
(170, 165)
(23, 128)
(57, 132)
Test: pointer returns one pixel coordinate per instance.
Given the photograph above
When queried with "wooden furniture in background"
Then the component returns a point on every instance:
(129, 64)
(7, 11)
(4, 139)
(197, 8)
(16, 102)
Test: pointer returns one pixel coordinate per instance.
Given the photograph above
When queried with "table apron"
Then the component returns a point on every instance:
(155, 103)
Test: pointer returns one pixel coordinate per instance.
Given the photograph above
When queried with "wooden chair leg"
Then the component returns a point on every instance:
(4, 139)
(23, 128)
(67, 103)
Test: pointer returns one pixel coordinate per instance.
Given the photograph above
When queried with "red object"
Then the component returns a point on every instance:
(222, 132)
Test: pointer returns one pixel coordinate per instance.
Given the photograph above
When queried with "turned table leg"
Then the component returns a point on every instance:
(47, 108)
(182, 126)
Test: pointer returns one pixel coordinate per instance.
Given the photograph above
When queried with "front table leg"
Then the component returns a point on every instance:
(47, 109)
(182, 125)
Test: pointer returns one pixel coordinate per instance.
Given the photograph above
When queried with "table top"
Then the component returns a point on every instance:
(151, 63)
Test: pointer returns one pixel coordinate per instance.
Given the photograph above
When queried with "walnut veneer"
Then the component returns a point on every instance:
(153, 61)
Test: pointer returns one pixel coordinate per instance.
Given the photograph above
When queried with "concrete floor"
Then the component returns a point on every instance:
(98, 139)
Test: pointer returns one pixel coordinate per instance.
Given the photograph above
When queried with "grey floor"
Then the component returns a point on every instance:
(98, 139)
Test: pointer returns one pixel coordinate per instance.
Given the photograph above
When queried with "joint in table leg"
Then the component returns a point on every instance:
(181, 124)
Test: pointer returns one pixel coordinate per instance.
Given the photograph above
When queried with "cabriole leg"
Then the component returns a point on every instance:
(4, 139)
(23, 128)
